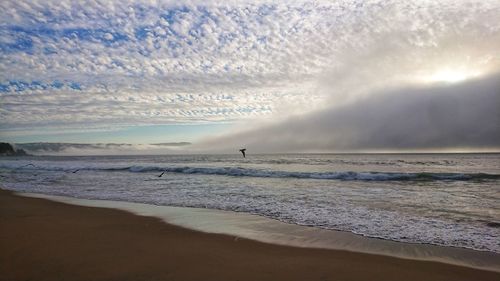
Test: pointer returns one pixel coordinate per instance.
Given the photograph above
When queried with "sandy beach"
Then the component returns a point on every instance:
(45, 240)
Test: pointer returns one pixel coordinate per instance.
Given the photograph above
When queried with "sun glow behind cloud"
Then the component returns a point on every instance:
(451, 75)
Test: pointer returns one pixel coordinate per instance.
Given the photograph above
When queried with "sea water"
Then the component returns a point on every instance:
(442, 199)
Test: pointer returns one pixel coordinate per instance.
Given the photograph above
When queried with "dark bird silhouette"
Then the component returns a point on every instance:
(161, 174)
(74, 172)
(25, 166)
(243, 152)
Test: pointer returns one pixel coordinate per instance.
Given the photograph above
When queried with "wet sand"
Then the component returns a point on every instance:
(271, 231)
(46, 240)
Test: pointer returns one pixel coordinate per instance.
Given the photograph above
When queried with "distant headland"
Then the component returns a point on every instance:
(6, 149)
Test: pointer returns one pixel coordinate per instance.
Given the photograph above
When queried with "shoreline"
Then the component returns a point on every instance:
(48, 240)
(267, 230)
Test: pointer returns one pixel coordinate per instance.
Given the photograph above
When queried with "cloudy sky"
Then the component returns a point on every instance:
(288, 76)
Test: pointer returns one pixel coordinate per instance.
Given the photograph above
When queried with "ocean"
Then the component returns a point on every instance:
(441, 199)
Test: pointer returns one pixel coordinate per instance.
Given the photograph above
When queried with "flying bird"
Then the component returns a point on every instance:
(161, 174)
(243, 152)
(25, 166)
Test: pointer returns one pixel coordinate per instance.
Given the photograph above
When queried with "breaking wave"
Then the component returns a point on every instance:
(263, 173)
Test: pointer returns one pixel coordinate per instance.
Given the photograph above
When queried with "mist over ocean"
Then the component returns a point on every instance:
(442, 199)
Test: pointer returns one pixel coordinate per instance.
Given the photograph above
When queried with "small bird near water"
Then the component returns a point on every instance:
(243, 152)
(25, 166)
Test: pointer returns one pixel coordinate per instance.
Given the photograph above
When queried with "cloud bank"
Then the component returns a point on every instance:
(44, 148)
(460, 117)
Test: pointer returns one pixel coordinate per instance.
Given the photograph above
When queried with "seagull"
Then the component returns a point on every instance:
(25, 166)
(30, 164)
(243, 152)
(161, 174)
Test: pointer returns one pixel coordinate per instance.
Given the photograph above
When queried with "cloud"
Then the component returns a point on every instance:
(100, 64)
(463, 116)
(43, 148)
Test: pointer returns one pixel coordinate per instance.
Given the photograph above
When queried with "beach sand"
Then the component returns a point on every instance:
(46, 240)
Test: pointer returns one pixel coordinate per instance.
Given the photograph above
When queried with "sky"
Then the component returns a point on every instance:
(272, 76)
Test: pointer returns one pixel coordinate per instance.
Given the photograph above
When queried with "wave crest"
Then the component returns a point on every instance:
(263, 173)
